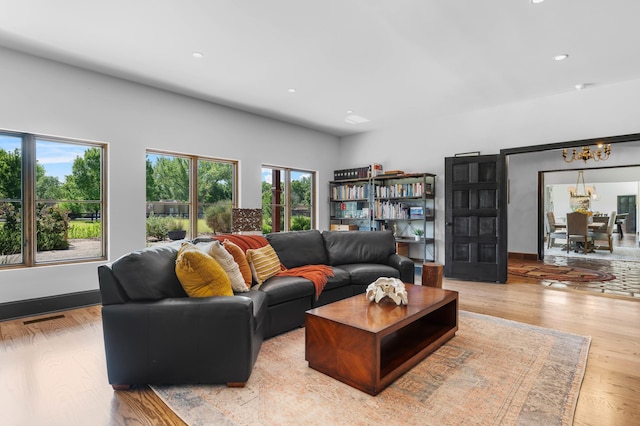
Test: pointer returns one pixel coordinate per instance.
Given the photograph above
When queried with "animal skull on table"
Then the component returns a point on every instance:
(392, 288)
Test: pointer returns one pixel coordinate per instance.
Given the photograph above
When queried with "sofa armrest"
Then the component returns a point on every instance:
(405, 266)
(182, 340)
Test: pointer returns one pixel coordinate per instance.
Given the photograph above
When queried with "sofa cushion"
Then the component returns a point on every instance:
(241, 259)
(340, 278)
(149, 274)
(366, 273)
(281, 289)
(299, 248)
(347, 247)
(200, 274)
(225, 259)
(264, 263)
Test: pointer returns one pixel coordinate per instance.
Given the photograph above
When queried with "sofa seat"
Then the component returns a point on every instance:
(340, 278)
(366, 273)
(288, 298)
(284, 289)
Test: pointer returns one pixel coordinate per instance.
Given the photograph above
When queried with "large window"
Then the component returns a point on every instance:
(287, 199)
(51, 200)
(179, 185)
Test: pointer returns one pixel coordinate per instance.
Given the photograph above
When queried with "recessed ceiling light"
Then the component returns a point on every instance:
(198, 55)
(561, 57)
(350, 112)
(536, 1)
(292, 90)
(582, 86)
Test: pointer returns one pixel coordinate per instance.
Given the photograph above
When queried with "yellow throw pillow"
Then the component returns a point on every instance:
(241, 260)
(200, 274)
(264, 263)
(225, 259)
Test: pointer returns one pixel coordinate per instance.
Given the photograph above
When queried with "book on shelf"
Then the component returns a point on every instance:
(391, 210)
(401, 190)
(349, 192)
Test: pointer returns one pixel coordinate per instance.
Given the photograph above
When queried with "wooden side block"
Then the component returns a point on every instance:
(432, 274)
(121, 387)
(402, 249)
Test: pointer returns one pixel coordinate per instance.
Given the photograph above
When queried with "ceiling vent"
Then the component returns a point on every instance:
(356, 119)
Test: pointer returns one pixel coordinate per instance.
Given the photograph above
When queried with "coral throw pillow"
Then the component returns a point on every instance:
(264, 263)
(200, 274)
(225, 259)
(240, 258)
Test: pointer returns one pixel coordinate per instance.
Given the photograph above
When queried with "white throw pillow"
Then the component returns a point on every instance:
(225, 259)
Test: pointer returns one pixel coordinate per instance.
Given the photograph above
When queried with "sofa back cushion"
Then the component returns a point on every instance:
(347, 247)
(149, 274)
(298, 248)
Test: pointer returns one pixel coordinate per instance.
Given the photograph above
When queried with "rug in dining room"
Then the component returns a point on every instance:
(542, 271)
(494, 371)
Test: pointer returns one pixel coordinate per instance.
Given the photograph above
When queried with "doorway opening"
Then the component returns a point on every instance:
(608, 196)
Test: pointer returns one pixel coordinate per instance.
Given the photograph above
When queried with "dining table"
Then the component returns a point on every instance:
(592, 226)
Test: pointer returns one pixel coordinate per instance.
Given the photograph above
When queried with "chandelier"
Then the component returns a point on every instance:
(587, 191)
(602, 152)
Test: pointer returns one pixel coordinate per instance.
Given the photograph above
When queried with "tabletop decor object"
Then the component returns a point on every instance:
(392, 288)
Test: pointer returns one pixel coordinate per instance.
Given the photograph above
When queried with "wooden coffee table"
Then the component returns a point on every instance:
(368, 345)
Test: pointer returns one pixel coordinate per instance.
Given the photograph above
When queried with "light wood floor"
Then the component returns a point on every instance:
(53, 371)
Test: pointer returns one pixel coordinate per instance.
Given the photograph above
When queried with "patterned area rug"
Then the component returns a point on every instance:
(631, 254)
(493, 371)
(541, 271)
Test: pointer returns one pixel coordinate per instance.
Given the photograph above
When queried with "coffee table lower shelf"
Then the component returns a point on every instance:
(369, 345)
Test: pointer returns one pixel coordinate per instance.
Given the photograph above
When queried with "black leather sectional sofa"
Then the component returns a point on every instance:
(155, 334)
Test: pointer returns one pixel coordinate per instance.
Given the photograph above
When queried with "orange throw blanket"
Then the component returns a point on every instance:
(317, 274)
(245, 242)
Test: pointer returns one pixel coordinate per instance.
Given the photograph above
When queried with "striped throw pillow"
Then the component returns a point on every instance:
(264, 263)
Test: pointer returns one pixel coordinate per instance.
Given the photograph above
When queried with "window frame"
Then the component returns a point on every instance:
(193, 201)
(286, 173)
(28, 198)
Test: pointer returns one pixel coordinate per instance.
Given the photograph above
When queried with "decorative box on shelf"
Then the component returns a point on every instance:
(338, 227)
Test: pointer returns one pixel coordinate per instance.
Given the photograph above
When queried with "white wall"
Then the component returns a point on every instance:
(421, 143)
(605, 202)
(45, 97)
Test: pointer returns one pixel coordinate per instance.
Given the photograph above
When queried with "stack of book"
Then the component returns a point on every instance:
(358, 172)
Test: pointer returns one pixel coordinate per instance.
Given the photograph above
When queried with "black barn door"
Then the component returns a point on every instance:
(476, 218)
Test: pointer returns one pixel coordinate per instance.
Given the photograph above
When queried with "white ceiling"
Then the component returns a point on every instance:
(383, 59)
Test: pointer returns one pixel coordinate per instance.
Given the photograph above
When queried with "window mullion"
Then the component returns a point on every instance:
(193, 197)
(29, 236)
(287, 204)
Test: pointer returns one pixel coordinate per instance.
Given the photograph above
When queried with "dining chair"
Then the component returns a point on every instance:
(578, 230)
(552, 231)
(606, 234)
